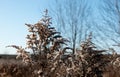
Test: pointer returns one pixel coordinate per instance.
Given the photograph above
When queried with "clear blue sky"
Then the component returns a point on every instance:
(13, 15)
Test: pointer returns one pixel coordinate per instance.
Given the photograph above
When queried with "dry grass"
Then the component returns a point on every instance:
(48, 57)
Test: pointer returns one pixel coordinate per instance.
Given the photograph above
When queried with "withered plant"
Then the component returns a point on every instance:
(45, 54)
(46, 46)
(113, 67)
(92, 60)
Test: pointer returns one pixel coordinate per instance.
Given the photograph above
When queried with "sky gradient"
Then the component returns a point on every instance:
(13, 15)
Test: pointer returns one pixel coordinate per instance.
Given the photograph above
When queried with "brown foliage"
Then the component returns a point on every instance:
(49, 57)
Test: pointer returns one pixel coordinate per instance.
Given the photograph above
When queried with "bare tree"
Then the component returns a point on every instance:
(110, 12)
(72, 17)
